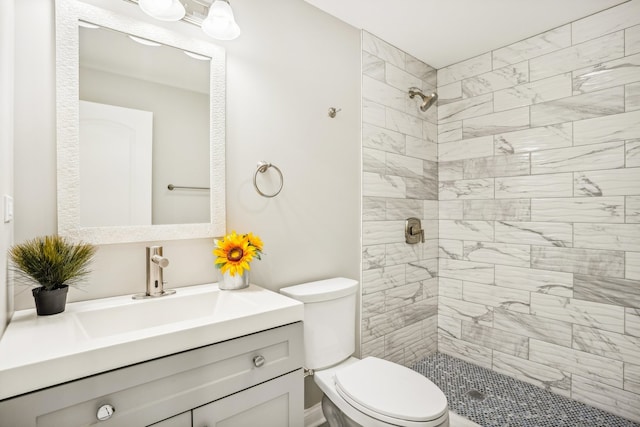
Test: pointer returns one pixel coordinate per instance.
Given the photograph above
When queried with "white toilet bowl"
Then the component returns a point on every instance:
(377, 393)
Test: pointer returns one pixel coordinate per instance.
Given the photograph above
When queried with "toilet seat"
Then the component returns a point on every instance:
(390, 392)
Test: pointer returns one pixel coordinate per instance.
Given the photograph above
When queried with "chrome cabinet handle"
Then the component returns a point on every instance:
(105, 412)
(258, 361)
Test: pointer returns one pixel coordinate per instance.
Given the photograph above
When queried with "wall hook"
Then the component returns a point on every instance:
(333, 111)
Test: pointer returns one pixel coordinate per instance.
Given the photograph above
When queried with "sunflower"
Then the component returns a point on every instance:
(235, 252)
(256, 242)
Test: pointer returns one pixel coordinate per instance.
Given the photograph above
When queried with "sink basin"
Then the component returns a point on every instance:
(136, 315)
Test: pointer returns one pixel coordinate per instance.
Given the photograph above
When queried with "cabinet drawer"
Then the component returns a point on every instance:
(156, 390)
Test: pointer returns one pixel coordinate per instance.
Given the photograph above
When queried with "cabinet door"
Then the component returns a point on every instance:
(182, 420)
(275, 403)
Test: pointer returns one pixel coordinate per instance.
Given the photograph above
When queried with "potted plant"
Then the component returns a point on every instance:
(233, 254)
(53, 263)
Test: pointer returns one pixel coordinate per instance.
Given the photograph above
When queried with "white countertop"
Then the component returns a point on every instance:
(42, 351)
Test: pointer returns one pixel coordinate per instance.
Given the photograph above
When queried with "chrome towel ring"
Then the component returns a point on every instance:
(262, 168)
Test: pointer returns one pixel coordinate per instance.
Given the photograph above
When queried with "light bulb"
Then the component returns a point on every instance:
(220, 23)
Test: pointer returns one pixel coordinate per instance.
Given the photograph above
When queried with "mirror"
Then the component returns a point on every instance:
(140, 109)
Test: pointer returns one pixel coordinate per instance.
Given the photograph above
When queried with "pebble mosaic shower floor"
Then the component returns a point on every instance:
(505, 401)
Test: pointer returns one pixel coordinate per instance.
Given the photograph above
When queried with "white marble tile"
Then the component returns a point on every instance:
(607, 344)
(495, 296)
(497, 210)
(401, 209)
(402, 296)
(632, 96)
(595, 393)
(462, 70)
(417, 147)
(632, 265)
(381, 279)
(602, 316)
(550, 379)
(539, 186)
(379, 232)
(466, 189)
(534, 233)
(605, 48)
(464, 310)
(632, 153)
(399, 165)
(373, 209)
(377, 185)
(403, 123)
(581, 261)
(529, 325)
(616, 237)
(373, 161)
(449, 93)
(615, 182)
(493, 166)
(430, 132)
(449, 326)
(373, 257)
(450, 170)
(383, 50)
(606, 155)
(430, 209)
(632, 40)
(632, 378)
(578, 107)
(400, 252)
(465, 108)
(609, 74)
(495, 339)
(372, 66)
(373, 348)
(609, 290)
(577, 362)
(464, 350)
(538, 45)
(451, 249)
(466, 270)
(448, 132)
(496, 123)
(481, 231)
(581, 209)
(450, 209)
(399, 78)
(430, 248)
(382, 93)
(380, 325)
(533, 280)
(533, 93)
(618, 127)
(497, 253)
(605, 22)
(422, 270)
(423, 71)
(465, 149)
(450, 288)
(373, 304)
(373, 113)
(492, 81)
(632, 322)
(534, 139)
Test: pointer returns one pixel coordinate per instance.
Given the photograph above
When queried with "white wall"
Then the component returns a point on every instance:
(6, 147)
(290, 65)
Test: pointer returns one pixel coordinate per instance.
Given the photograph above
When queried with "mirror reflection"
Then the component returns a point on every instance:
(144, 125)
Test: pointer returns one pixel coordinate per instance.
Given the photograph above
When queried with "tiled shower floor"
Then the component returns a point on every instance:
(508, 402)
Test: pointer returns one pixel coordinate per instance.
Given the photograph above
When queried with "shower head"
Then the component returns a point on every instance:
(427, 100)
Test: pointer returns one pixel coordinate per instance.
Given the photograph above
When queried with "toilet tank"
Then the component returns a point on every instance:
(329, 319)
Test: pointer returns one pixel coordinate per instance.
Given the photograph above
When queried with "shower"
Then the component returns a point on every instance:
(427, 100)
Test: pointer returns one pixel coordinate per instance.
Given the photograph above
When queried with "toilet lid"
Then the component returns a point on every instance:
(376, 386)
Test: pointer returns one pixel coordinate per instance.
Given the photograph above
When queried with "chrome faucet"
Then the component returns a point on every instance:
(156, 263)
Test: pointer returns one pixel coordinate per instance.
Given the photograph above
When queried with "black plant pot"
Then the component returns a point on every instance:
(50, 301)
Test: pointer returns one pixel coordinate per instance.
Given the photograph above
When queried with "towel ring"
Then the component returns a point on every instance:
(262, 168)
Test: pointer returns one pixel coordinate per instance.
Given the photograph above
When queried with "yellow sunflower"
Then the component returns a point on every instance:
(234, 253)
(256, 242)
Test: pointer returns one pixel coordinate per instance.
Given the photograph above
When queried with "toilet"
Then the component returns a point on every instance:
(371, 392)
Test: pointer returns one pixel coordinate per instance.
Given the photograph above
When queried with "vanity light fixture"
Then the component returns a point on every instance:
(220, 23)
(164, 10)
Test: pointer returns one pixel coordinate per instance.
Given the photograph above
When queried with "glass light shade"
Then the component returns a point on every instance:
(220, 23)
(164, 10)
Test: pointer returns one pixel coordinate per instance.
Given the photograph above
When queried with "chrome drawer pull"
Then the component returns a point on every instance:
(258, 361)
(105, 412)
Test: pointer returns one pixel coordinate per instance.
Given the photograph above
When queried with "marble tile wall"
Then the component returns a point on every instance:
(539, 210)
(400, 180)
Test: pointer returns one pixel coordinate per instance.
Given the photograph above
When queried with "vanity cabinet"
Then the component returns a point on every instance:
(252, 380)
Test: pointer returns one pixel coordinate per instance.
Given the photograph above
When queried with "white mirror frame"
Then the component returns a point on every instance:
(68, 12)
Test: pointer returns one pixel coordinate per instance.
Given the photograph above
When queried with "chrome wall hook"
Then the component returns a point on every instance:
(333, 111)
